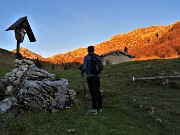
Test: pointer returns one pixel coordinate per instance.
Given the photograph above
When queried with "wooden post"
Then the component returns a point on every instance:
(18, 47)
(18, 55)
(152, 78)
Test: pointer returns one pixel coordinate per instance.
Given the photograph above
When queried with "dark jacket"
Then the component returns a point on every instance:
(87, 64)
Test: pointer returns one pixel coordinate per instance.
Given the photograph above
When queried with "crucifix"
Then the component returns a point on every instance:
(21, 27)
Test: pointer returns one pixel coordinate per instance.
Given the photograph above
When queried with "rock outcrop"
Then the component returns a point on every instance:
(31, 87)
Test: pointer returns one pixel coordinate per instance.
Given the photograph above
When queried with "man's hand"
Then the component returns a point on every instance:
(80, 68)
(82, 72)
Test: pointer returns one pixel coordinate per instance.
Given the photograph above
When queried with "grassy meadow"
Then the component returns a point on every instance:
(143, 107)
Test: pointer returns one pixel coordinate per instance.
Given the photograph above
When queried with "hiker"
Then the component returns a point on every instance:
(93, 80)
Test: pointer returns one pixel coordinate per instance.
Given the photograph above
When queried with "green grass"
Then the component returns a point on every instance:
(6, 61)
(122, 114)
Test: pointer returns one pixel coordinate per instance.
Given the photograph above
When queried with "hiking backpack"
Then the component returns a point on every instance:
(96, 65)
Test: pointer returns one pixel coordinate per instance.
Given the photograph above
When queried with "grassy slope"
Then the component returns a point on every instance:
(6, 61)
(121, 99)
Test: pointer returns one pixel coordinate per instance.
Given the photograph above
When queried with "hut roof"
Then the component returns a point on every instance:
(118, 52)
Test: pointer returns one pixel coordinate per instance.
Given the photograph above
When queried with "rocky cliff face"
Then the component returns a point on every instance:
(153, 41)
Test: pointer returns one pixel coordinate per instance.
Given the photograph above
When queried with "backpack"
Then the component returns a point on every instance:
(96, 65)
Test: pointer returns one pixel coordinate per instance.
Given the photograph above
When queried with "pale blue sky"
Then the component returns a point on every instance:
(65, 25)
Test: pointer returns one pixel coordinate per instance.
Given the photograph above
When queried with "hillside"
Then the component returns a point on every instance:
(129, 102)
(166, 46)
(30, 55)
(6, 60)
(144, 107)
(144, 43)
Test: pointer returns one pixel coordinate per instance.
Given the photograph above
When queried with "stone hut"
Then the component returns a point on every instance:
(116, 57)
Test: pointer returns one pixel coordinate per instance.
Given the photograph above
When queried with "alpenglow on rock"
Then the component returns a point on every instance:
(36, 88)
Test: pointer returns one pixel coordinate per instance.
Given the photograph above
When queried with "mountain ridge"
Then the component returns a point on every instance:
(145, 43)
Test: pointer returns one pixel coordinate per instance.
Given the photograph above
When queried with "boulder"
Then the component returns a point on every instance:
(7, 103)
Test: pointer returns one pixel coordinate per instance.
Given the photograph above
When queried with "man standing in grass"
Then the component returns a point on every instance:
(93, 79)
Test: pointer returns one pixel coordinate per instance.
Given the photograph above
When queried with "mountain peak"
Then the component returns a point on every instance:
(29, 54)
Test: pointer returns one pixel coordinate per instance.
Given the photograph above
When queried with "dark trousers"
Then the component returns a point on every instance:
(94, 85)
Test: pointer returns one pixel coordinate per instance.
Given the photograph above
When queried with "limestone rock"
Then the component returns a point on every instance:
(9, 90)
(36, 88)
(7, 103)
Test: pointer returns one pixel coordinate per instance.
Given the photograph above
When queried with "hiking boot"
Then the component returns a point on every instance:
(92, 111)
(99, 110)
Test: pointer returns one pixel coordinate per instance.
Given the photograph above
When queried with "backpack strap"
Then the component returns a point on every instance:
(93, 55)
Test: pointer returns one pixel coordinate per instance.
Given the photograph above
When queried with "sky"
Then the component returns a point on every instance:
(61, 26)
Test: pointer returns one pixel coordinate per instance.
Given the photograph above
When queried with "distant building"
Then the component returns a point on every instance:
(116, 57)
